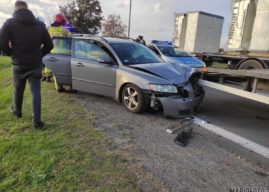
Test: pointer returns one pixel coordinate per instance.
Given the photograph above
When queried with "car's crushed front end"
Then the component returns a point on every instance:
(175, 89)
(182, 102)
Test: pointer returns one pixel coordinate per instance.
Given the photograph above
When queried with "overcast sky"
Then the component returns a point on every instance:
(152, 18)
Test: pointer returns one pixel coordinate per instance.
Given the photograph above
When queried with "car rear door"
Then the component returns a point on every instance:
(88, 73)
(59, 60)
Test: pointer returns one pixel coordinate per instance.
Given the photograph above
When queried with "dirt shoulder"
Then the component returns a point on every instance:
(206, 164)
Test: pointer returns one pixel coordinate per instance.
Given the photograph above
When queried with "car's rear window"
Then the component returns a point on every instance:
(62, 46)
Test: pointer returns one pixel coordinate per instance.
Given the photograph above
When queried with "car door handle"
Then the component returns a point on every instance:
(52, 59)
(79, 65)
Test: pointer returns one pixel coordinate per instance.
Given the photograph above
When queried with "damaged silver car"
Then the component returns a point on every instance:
(127, 71)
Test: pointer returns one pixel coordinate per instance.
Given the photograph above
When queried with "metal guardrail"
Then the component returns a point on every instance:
(261, 74)
(249, 92)
(235, 91)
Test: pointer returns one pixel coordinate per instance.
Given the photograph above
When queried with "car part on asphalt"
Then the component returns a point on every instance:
(183, 137)
(184, 123)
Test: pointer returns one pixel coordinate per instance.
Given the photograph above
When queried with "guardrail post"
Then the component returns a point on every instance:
(247, 86)
(254, 85)
(221, 79)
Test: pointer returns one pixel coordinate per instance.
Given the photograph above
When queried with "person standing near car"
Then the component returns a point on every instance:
(26, 40)
(140, 39)
(57, 29)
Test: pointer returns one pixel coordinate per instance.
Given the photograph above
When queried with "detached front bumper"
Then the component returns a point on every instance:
(178, 107)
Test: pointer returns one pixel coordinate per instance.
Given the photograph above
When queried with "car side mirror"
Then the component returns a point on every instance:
(105, 60)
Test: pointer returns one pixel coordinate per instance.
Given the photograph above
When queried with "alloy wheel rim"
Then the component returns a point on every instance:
(131, 98)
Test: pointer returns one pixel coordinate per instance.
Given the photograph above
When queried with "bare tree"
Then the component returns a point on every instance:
(113, 27)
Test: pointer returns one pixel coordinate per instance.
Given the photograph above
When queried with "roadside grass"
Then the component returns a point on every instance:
(5, 62)
(220, 65)
(69, 155)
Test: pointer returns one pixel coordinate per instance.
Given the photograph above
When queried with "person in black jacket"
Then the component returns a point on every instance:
(140, 39)
(26, 40)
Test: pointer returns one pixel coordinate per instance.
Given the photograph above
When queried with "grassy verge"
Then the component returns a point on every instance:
(69, 155)
(220, 65)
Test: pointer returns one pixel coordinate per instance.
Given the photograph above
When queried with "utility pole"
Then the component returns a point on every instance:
(130, 15)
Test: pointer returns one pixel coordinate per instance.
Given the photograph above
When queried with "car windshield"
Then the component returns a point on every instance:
(173, 51)
(134, 53)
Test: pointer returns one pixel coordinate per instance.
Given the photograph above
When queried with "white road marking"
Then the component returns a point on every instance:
(250, 145)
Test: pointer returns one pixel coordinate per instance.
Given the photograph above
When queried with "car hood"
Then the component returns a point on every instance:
(173, 73)
(191, 61)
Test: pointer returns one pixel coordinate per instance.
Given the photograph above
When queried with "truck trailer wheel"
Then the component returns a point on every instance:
(251, 64)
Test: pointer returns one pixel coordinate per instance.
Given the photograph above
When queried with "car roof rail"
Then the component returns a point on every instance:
(125, 38)
(102, 38)
(77, 35)
(89, 35)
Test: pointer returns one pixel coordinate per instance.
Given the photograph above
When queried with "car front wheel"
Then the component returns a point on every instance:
(133, 99)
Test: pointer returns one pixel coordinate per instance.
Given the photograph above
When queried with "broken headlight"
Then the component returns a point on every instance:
(163, 88)
(195, 78)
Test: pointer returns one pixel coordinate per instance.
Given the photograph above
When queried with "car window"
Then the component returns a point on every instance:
(89, 50)
(134, 53)
(154, 49)
(62, 46)
(173, 51)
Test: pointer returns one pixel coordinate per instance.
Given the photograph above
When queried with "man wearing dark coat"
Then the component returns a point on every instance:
(26, 40)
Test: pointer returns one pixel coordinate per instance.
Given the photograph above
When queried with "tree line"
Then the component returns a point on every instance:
(86, 15)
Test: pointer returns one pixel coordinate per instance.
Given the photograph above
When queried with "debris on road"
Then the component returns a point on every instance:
(183, 137)
(184, 123)
(262, 174)
(183, 130)
(190, 168)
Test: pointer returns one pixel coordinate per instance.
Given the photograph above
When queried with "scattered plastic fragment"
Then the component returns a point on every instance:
(185, 123)
(262, 174)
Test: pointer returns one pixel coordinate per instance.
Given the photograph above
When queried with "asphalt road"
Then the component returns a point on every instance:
(208, 163)
(244, 117)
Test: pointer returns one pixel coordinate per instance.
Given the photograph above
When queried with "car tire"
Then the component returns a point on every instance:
(58, 87)
(133, 99)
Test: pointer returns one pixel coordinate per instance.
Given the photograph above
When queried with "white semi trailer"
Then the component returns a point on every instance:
(198, 32)
(249, 28)
(248, 40)
(248, 48)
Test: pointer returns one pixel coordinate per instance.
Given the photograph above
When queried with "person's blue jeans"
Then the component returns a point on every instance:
(34, 78)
